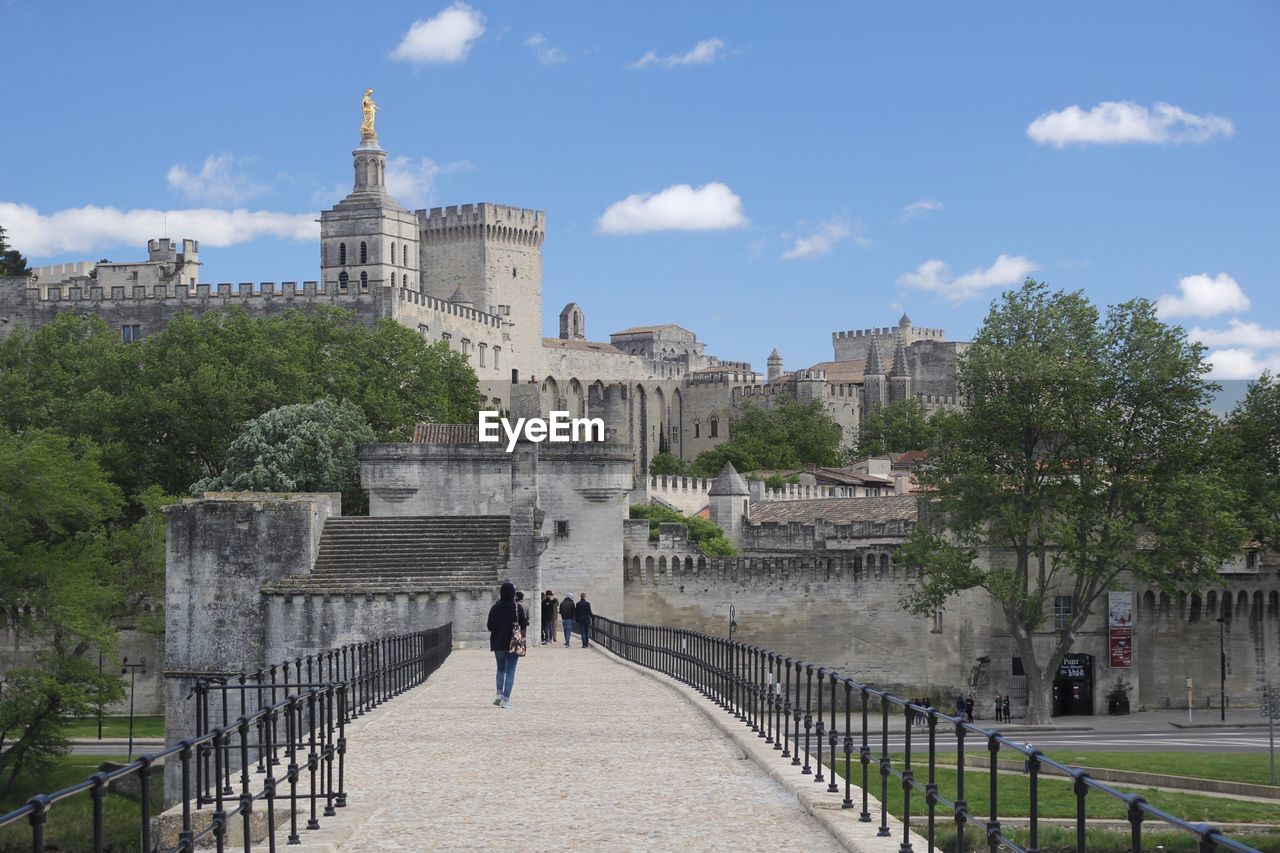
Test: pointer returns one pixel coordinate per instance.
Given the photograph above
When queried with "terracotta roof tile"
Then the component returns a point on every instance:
(427, 433)
(836, 510)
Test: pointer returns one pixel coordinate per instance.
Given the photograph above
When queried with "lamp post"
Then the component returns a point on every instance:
(131, 669)
(1222, 670)
(733, 621)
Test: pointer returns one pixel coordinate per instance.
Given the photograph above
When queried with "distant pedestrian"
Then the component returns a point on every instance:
(548, 616)
(999, 718)
(1004, 706)
(959, 706)
(508, 622)
(555, 605)
(968, 708)
(924, 718)
(582, 618)
(567, 611)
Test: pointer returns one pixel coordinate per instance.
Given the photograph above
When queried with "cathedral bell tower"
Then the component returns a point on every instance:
(368, 241)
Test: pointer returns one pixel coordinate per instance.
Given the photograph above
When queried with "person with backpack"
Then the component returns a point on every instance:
(582, 618)
(507, 624)
(567, 613)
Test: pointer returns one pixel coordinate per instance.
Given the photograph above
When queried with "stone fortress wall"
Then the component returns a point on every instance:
(843, 610)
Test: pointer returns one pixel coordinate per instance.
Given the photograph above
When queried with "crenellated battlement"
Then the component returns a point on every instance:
(492, 222)
(676, 568)
(916, 333)
(936, 400)
(801, 492)
(442, 306)
(86, 290)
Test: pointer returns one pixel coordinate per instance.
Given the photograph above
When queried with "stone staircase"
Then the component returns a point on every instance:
(405, 554)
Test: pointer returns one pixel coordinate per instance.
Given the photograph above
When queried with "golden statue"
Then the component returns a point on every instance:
(369, 108)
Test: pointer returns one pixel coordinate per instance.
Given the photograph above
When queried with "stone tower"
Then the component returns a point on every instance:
(873, 378)
(775, 366)
(573, 323)
(494, 254)
(368, 240)
(900, 372)
(730, 503)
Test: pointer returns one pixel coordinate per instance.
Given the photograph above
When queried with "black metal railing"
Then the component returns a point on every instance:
(292, 716)
(782, 700)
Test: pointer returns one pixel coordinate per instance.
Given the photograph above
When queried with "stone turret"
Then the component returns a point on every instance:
(900, 372)
(573, 323)
(873, 378)
(775, 366)
(730, 503)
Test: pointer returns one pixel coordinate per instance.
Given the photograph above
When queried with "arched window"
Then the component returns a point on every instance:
(697, 429)
(364, 281)
(342, 254)
(393, 279)
(715, 427)
(342, 280)
(364, 252)
(393, 251)
(513, 272)
(405, 251)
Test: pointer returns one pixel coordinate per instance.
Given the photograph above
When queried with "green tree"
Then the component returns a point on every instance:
(707, 535)
(894, 428)
(305, 447)
(1080, 462)
(165, 411)
(55, 591)
(790, 434)
(668, 464)
(11, 260)
(1252, 453)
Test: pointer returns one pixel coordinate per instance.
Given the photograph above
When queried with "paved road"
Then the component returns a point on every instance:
(593, 754)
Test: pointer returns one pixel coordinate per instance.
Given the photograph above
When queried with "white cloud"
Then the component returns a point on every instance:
(1203, 296)
(446, 38)
(713, 207)
(935, 276)
(86, 229)
(824, 239)
(221, 180)
(1242, 363)
(919, 208)
(547, 55)
(703, 53)
(413, 183)
(1115, 122)
(1238, 334)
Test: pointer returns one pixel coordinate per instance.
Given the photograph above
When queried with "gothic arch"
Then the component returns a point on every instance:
(575, 400)
(660, 417)
(677, 423)
(640, 429)
(550, 394)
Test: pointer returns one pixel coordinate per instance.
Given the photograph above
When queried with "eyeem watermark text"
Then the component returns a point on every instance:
(560, 427)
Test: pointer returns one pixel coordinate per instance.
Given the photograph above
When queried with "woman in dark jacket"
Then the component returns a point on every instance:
(503, 617)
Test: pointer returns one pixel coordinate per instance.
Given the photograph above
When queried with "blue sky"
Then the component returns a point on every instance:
(759, 174)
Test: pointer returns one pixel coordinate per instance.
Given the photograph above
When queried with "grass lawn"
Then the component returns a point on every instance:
(70, 822)
(1057, 799)
(1058, 840)
(117, 727)
(1230, 766)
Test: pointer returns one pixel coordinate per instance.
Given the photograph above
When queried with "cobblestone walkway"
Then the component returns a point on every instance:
(593, 755)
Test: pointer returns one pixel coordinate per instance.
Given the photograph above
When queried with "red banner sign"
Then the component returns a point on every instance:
(1120, 629)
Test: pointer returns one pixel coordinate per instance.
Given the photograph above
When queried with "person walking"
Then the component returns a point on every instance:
(554, 621)
(1005, 708)
(582, 618)
(508, 622)
(567, 612)
(548, 615)
(968, 708)
(999, 714)
(959, 706)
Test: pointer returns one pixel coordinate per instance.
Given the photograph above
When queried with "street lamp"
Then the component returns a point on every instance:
(733, 621)
(131, 669)
(1222, 670)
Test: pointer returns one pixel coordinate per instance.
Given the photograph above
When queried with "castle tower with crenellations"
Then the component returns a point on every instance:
(493, 253)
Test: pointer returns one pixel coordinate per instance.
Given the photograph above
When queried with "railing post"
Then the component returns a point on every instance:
(962, 805)
(98, 793)
(833, 738)
(883, 831)
(908, 712)
(1033, 771)
(864, 755)
(848, 742)
(931, 788)
(819, 726)
(808, 715)
(787, 711)
(993, 825)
